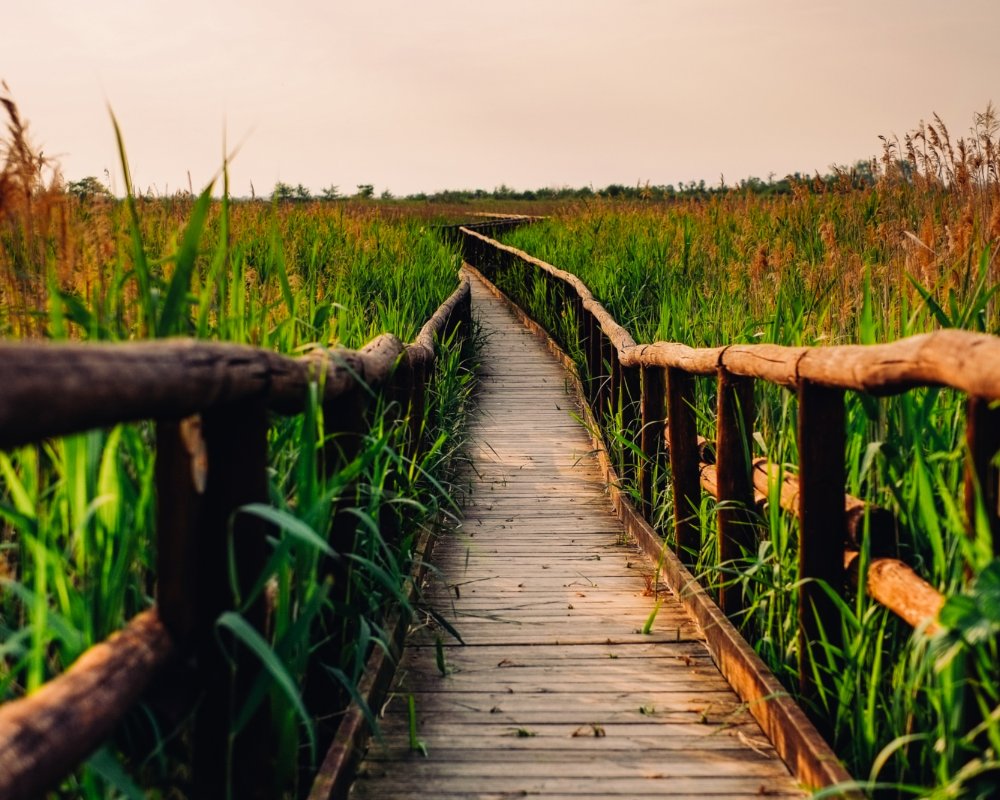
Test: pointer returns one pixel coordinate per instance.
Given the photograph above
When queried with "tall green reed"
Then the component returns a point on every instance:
(77, 514)
(807, 270)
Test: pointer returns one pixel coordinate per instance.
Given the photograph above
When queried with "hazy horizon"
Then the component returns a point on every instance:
(421, 98)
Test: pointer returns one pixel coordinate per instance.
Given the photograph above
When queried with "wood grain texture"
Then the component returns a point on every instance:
(45, 735)
(734, 451)
(822, 522)
(58, 389)
(554, 687)
(962, 360)
(896, 586)
(794, 737)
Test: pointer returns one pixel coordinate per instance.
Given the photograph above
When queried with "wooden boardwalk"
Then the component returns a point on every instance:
(556, 691)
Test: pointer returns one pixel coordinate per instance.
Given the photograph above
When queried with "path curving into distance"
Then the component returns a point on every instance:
(556, 693)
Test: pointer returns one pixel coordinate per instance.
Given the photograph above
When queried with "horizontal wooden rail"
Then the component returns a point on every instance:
(210, 402)
(45, 735)
(889, 581)
(58, 389)
(896, 586)
(969, 362)
(881, 523)
(830, 522)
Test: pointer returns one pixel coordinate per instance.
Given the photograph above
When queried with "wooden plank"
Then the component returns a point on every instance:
(597, 765)
(551, 604)
(648, 737)
(656, 784)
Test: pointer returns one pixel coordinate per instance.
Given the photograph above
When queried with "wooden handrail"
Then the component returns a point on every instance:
(210, 401)
(43, 736)
(58, 389)
(968, 362)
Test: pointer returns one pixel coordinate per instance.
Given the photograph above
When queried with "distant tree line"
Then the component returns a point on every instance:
(862, 174)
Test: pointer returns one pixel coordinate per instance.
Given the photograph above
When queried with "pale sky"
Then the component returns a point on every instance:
(421, 95)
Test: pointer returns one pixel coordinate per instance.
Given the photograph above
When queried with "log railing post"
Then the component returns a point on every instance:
(235, 439)
(181, 476)
(631, 399)
(982, 478)
(682, 439)
(596, 364)
(346, 424)
(733, 454)
(583, 338)
(652, 419)
(418, 402)
(614, 376)
(822, 522)
(603, 352)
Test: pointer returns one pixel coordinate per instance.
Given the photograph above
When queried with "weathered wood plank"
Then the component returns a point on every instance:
(551, 600)
(417, 783)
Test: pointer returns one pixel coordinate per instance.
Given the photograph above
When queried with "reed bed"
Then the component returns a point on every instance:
(77, 514)
(906, 245)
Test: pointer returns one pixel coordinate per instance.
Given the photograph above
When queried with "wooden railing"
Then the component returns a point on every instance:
(210, 403)
(652, 387)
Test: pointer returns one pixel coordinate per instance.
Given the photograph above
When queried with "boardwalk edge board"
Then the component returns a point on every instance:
(795, 738)
(182, 385)
(335, 774)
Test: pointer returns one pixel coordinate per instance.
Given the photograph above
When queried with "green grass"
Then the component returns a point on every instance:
(817, 269)
(77, 515)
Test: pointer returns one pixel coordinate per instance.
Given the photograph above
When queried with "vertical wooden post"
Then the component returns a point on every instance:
(346, 420)
(548, 291)
(603, 372)
(181, 476)
(982, 436)
(652, 418)
(822, 521)
(583, 336)
(559, 298)
(614, 377)
(596, 361)
(682, 439)
(417, 401)
(982, 478)
(733, 448)
(236, 450)
(631, 395)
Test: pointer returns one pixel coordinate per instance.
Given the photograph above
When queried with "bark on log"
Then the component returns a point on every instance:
(44, 736)
(963, 360)
(54, 390)
(896, 586)
(881, 523)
